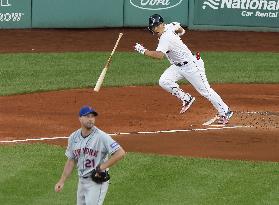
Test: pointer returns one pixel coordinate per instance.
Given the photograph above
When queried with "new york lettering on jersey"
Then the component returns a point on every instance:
(90, 151)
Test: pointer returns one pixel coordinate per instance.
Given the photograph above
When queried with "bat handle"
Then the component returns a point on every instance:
(100, 80)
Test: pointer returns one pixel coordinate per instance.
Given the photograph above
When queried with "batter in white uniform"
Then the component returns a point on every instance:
(184, 65)
(89, 147)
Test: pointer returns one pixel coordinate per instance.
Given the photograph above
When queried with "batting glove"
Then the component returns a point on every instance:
(139, 48)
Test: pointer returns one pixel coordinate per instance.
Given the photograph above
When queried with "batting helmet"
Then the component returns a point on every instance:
(154, 20)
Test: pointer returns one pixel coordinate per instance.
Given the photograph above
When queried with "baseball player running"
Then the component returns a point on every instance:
(183, 65)
(89, 148)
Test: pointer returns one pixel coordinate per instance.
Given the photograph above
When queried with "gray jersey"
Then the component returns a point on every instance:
(90, 151)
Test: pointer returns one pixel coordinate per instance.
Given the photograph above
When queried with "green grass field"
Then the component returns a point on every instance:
(23, 73)
(29, 172)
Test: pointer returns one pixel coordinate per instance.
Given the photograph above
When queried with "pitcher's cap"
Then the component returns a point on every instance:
(85, 110)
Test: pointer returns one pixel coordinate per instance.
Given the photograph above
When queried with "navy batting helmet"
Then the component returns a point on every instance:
(154, 20)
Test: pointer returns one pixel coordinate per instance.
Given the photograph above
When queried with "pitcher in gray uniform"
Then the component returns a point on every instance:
(89, 148)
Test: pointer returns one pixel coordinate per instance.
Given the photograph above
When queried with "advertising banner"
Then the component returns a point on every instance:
(136, 12)
(77, 13)
(15, 13)
(248, 13)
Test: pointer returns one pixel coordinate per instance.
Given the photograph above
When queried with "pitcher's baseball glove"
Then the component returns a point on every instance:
(99, 176)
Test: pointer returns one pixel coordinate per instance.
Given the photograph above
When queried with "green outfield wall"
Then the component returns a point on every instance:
(77, 13)
(234, 14)
(15, 13)
(255, 15)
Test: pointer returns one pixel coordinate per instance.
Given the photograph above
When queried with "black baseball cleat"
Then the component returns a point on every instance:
(186, 105)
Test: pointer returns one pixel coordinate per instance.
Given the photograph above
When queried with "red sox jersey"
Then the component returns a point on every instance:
(172, 46)
(90, 151)
(185, 65)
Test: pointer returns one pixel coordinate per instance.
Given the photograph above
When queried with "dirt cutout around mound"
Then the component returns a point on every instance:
(149, 109)
(253, 133)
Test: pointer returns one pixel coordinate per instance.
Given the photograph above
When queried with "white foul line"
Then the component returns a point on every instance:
(129, 133)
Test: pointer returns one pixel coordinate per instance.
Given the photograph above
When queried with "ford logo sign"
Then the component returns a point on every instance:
(155, 4)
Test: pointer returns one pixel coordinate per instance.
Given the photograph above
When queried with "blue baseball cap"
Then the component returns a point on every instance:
(85, 110)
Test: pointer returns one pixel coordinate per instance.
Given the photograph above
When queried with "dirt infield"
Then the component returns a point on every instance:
(134, 109)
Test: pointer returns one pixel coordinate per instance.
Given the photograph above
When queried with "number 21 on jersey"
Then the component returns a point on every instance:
(89, 163)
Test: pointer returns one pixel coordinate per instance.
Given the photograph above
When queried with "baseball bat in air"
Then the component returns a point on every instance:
(104, 71)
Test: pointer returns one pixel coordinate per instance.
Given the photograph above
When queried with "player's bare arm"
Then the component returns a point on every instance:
(115, 157)
(68, 168)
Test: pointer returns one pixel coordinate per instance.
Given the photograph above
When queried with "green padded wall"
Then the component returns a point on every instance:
(235, 14)
(77, 13)
(15, 13)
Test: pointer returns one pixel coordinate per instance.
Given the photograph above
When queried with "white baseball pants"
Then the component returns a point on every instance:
(194, 72)
(91, 193)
